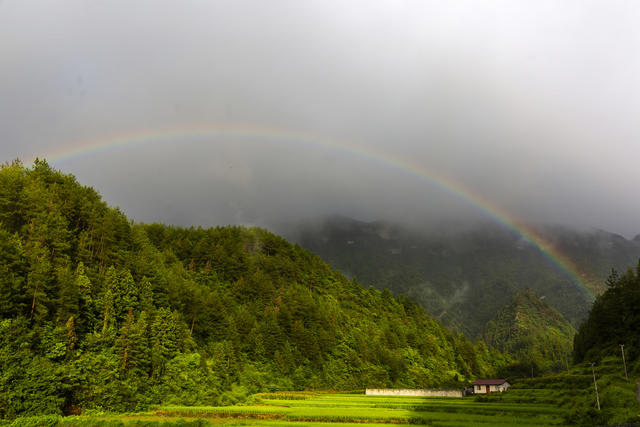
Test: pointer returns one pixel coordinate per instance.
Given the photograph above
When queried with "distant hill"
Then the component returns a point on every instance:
(464, 276)
(533, 332)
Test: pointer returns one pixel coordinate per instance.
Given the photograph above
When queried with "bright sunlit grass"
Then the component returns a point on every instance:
(310, 409)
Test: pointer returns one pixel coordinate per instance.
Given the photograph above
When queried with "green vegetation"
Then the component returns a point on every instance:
(310, 409)
(115, 323)
(534, 333)
(98, 313)
(614, 319)
(573, 393)
(464, 275)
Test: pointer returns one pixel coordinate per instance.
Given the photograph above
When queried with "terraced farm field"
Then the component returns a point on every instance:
(318, 409)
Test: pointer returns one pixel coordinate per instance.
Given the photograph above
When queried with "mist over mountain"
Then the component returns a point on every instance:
(464, 274)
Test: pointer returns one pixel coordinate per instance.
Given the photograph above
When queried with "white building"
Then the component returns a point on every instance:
(490, 386)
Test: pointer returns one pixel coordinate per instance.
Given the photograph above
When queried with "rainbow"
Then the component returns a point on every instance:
(447, 184)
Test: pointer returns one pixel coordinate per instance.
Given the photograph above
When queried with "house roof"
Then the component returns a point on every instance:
(489, 382)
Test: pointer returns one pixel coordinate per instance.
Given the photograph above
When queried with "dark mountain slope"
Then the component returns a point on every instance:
(463, 276)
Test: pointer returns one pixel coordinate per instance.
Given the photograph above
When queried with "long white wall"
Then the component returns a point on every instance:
(413, 392)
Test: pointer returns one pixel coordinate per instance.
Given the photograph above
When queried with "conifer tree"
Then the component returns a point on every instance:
(132, 346)
(38, 280)
(164, 339)
(68, 301)
(12, 273)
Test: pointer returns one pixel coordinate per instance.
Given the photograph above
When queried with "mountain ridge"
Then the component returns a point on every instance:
(447, 268)
(532, 331)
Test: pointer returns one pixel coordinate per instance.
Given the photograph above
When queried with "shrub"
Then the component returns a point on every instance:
(36, 421)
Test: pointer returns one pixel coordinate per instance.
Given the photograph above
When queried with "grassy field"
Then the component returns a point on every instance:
(324, 409)
(574, 393)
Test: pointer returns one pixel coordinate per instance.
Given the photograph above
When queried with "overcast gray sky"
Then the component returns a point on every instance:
(533, 106)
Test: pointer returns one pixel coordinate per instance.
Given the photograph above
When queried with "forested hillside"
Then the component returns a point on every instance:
(98, 312)
(464, 274)
(614, 319)
(534, 333)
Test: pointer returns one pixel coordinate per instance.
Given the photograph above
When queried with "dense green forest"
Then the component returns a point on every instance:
(614, 319)
(534, 333)
(97, 312)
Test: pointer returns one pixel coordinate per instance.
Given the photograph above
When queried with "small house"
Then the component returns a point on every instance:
(490, 386)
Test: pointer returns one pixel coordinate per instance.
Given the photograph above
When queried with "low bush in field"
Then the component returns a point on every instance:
(259, 412)
(35, 421)
(286, 396)
(94, 422)
(91, 422)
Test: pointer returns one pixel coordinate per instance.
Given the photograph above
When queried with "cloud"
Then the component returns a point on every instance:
(530, 105)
